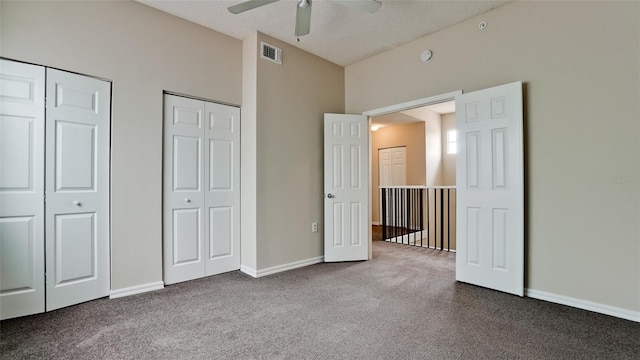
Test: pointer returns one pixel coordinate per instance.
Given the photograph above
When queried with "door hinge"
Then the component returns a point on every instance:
(45, 196)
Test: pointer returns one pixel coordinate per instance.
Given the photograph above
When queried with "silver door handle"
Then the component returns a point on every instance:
(77, 203)
(330, 196)
(187, 200)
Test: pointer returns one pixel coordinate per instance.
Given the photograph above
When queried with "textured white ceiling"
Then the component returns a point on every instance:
(339, 34)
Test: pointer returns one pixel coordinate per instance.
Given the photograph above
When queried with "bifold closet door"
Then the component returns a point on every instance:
(183, 197)
(54, 188)
(77, 188)
(22, 89)
(222, 194)
(201, 189)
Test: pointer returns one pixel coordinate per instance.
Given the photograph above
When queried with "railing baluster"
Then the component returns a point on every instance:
(402, 216)
(408, 214)
(448, 220)
(421, 219)
(406, 209)
(416, 211)
(436, 222)
(428, 221)
(384, 214)
(395, 215)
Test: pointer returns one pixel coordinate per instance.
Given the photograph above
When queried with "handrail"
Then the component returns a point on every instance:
(416, 187)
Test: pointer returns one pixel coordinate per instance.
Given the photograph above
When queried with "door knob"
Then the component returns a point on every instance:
(77, 203)
(330, 196)
(187, 200)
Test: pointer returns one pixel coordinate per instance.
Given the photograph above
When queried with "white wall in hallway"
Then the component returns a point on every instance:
(448, 160)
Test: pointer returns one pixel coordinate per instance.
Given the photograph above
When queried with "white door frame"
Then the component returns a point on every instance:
(450, 96)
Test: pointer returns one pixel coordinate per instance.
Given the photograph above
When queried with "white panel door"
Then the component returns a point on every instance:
(346, 187)
(201, 188)
(385, 167)
(22, 96)
(78, 115)
(392, 169)
(183, 184)
(392, 166)
(490, 189)
(222, 195)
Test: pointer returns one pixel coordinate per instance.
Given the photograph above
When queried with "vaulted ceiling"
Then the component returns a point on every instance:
(339, 34)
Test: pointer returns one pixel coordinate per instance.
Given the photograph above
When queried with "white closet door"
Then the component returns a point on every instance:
(392, 170)
(392, 166)
(201, 189)
(21, 189)
(222, 195)
(183, 195)
(77, 188)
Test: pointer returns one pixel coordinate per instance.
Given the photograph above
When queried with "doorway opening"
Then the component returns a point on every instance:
(413, 194)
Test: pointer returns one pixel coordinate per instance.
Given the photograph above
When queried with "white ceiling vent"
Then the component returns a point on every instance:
(271, 52)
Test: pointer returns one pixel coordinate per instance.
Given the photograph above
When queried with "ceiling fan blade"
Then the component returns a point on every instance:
(369, 6)
(303, 20)
(248, 5)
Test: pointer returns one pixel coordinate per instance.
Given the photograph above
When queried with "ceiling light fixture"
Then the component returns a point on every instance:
(303, 4)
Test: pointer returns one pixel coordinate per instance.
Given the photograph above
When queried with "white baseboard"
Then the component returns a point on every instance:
(280, 268)
(584, 304)
(138, 289)
(375, 223)
(249, 271)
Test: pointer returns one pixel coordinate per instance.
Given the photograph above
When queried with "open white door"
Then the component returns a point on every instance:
(346, 174)
(490, 197)
(21, 189)
(77, 188)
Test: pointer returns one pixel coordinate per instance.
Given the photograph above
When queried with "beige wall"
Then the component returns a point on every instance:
(410, 135)
(448, 160)
(144, 52)
(581, 168)
(578, 61)
(291, 101)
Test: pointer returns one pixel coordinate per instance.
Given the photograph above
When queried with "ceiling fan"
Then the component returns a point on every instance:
(303, 10)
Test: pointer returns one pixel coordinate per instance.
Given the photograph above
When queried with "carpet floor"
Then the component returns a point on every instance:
(403, 304)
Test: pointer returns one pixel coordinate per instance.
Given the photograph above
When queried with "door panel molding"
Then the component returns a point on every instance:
(22, 93)
(207, 179)
(71, 170)
(346, 154)
(490, 182)
(77, 164)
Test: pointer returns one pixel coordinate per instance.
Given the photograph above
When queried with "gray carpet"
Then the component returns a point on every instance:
(404, 304)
